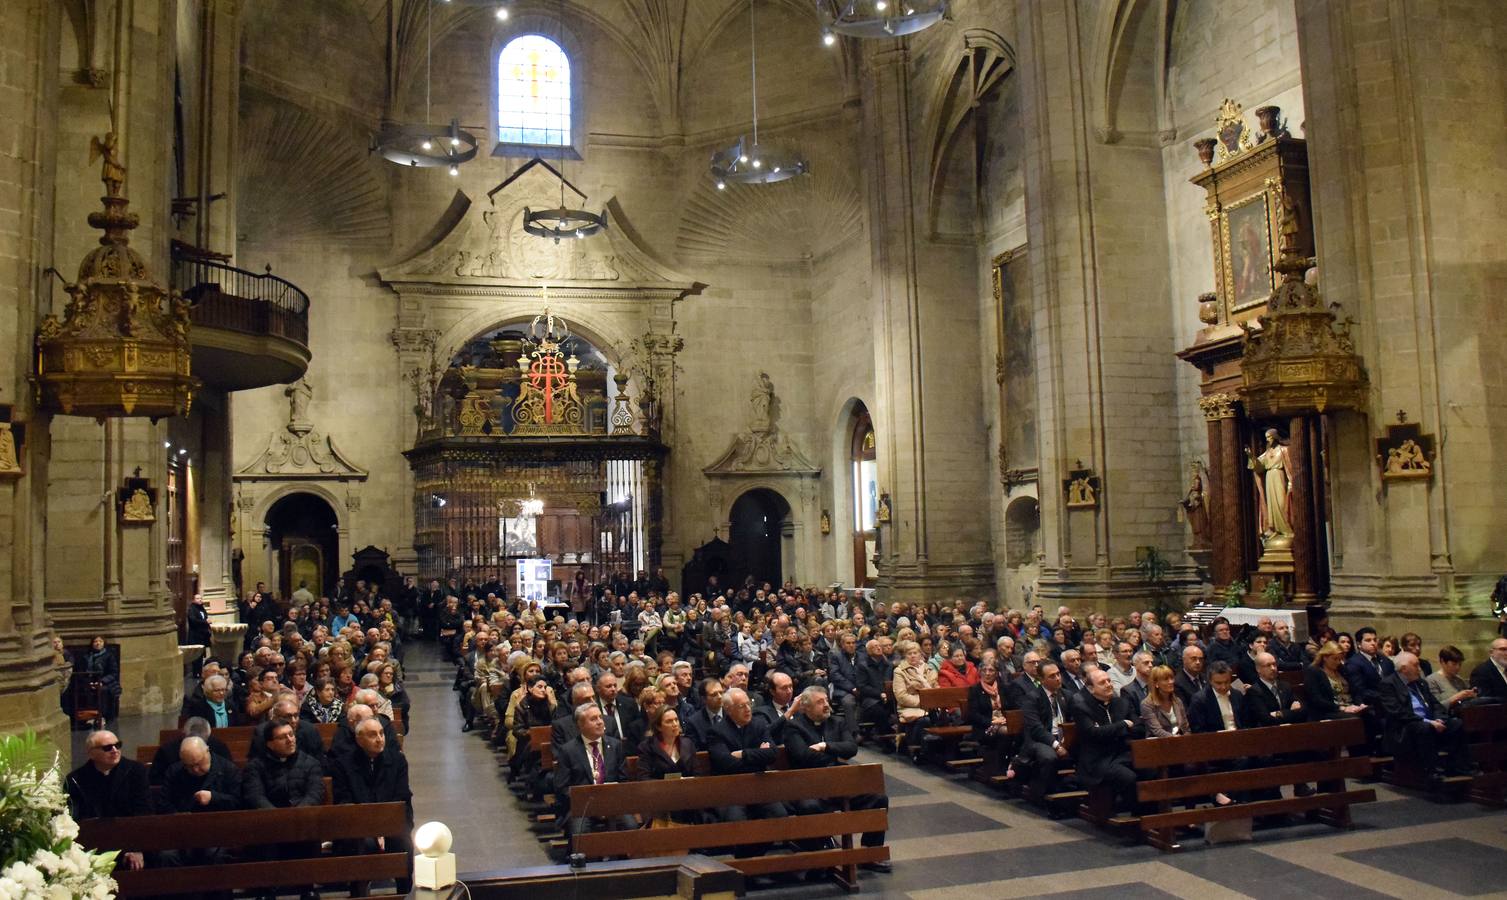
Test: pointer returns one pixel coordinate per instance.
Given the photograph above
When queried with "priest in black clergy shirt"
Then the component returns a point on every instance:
(109, 785)
(1105, 725)
(814, 740)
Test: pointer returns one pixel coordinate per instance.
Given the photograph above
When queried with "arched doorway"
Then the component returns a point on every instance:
(757, 526)
(303, 533)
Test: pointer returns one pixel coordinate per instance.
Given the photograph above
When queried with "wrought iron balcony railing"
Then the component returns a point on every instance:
(233, 299)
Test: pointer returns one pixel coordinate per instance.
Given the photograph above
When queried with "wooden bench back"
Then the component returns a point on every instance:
(310, 825)
(1159, 753)
(944, 698)
(651, 798)
(242, 734)
(244, 828)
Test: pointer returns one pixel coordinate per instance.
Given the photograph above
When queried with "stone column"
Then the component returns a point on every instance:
(1097, 215)
(927, 416)
(29, 37)
(1405, 150)
(1224, 489)
(215, 581)
(102, 577)
(1305, 560)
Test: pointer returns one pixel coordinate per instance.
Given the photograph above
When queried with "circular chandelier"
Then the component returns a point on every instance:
(427, 146)
(746, 161)
(877, 18)
(563, 221)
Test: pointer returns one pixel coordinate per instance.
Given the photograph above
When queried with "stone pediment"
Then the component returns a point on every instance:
(298, 450)
(771, 453)
(762, 449)
(487, 245)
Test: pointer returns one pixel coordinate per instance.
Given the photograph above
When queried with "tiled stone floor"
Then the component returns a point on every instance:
(948, 833)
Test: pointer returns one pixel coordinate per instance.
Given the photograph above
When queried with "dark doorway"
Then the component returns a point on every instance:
(304, 531)
(757, 525)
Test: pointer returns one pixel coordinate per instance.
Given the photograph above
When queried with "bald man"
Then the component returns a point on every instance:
(374, 772)
(1416, 726)
(201, 781)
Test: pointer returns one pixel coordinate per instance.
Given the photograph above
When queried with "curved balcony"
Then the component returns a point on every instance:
(249, 330)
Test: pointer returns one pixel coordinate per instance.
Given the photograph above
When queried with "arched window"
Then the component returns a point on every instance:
(533, 92)
(865, 475)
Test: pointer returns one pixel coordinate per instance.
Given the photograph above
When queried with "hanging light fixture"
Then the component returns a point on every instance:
(426, 146)
(877, 18)
(747, 161)
(563, 221)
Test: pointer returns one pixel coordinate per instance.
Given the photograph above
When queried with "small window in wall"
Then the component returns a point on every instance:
(533, 92)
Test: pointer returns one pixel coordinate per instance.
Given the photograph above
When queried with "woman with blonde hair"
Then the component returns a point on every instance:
(911, 676)
(1162, 711)
(1326, 692)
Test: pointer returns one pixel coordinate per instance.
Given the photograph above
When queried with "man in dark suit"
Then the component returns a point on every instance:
(708, 715)
(620, 713)
(842, 672)
(200, 781)
(1190, 678)
(374, 772)
(1216, 707)
(1042, 748)
(1105, 723)
(1073, 677)
(1416, 727)
(592, 758)
(1490, 677)
(286, 713)
(109, 785)
(873, 673)
(739, 744)
(1289, 653)
(1268, 699)
(780, 706)
(1223, 648)
(1367, 668)
(562, 729)
(1135, 690)
(813, 740)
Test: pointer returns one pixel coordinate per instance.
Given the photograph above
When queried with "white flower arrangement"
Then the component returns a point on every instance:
(39, 859)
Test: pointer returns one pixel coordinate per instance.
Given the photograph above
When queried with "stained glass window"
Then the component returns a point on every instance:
(533, 92)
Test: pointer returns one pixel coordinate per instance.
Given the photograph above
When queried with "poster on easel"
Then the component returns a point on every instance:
(533, 578)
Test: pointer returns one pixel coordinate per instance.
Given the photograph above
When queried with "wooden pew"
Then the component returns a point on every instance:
(949, 700)
(655, 798)
(702, 764)
(241, 734)
(1486, 730)
(248, 828)
(329, 792)
(1256, 747)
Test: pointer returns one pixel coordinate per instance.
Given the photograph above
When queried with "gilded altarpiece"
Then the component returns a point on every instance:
(1275, 363)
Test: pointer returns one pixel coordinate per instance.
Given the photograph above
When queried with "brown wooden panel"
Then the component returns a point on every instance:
(1157, 821)
(943, 697)
(1253, 779)
(1157, 753)
(1486, 718)
(273, 873)
(814, 859)
(241, 828)
(654, 797)
(233, 734)
(685, 838)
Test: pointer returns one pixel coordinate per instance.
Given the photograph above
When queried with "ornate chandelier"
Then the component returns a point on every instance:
(877, 18)
(427, 145)
(747, 161)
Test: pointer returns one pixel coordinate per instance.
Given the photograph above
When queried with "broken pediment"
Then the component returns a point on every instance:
(298, 450)
(487, 243)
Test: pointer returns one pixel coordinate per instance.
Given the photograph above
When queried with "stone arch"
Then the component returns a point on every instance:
(1022, 531)
(1116, 56)
(607, 337)
(984, 61)
(755, 554)
(255, 524)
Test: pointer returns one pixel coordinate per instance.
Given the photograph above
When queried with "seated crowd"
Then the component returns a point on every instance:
(637, 671)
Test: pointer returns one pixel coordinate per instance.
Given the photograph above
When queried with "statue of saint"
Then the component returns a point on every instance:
(1196, 509)
(298, 393)
(9, 463)
(1273, 486)
(112, 173)
(761, 406)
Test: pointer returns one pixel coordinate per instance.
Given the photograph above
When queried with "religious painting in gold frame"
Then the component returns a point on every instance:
(1245, 239)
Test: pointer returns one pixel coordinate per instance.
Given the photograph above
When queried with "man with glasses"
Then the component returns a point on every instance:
(109, 785)
(285, 712)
